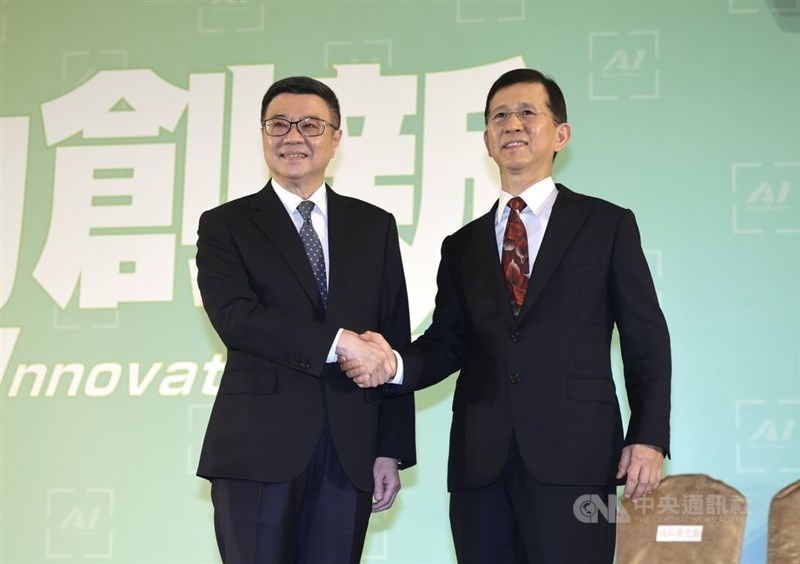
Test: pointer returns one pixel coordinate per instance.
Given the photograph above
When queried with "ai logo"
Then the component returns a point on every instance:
(79, 524)
(768, 197)
(768, 436)
(624, 65)
(765, 197)
(80, 520)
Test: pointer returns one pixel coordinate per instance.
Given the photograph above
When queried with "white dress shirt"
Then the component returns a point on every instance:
(539, 199)
(319, 219)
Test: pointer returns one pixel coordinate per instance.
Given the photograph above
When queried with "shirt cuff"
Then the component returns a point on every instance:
(397, 379)
(332, 357)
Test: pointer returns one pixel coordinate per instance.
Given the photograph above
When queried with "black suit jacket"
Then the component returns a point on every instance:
(276, 391)
(545, 376)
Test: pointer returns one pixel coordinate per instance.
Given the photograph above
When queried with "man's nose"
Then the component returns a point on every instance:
(514, 123)
(294, 132)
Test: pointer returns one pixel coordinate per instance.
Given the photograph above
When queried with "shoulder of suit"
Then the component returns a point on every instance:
(484, 222)
(356, 205)
(234, 206)
(593, 201)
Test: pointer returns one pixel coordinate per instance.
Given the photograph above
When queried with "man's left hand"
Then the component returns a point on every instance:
(643, 464)
(387, 483)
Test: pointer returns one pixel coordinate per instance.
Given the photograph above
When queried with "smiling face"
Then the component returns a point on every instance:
(523, 151)
(298, 163)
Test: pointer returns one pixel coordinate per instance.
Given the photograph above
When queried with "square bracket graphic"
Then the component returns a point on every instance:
(79, 524)
(74, 318)
(743, 6)
(354, 52)
(236, 16)
(753, 6)
(765, 198)
(376, 547)
(655, 260)
(470, 12)
(624, 65)
(768, 436)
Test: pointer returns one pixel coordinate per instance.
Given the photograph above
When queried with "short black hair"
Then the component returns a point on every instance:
(303, 85)
(555, 98)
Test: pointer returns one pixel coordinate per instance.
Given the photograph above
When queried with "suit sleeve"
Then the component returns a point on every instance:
(644, 339)
(439, 351)
(241, 320)
(396, 426)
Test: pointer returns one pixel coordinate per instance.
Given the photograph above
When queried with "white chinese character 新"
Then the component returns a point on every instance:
(451, 159)
(378, 149)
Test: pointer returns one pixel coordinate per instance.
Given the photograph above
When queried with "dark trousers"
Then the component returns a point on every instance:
(521, 520)
(318, 517)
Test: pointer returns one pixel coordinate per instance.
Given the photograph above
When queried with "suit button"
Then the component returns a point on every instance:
(514, 378)
(516, 337)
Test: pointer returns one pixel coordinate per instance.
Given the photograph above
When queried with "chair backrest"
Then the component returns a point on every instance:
(689, 518)
(784, 526)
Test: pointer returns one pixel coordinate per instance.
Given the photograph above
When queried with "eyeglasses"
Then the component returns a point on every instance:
(308, 127)
(525, 116)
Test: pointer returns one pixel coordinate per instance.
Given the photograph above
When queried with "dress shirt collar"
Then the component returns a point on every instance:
(535, 196)
(290, 200)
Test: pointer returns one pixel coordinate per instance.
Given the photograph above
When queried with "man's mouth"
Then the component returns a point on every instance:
(294, 156)
(512, 144)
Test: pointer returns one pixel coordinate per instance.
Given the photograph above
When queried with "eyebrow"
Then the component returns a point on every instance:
(523, 105)
(284, 116)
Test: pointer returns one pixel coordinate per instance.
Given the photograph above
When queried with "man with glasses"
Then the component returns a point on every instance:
(297, 454)
(528, 296)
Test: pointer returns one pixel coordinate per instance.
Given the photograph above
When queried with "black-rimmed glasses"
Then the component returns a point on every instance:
(308, 127)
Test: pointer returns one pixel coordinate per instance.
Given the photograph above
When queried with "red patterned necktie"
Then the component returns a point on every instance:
(515, 255)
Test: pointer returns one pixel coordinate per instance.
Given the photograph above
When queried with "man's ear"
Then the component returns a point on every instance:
(337, 136)
(563, 135)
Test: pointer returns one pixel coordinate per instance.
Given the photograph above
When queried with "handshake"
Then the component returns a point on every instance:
(367, 359)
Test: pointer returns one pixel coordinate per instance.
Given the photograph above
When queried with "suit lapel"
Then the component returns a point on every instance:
(342, 242)
(269, 215)
(565, 220)
(486, 262)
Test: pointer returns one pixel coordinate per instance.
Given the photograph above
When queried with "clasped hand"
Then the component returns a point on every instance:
(367, 359)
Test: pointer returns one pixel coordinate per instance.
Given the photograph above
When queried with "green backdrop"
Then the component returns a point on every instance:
(121, 121)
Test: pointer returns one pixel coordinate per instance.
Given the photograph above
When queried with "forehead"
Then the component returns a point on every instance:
(298, 105)
(521, 94)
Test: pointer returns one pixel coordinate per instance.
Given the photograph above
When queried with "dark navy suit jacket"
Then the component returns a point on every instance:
(276, 391)
(545, 376)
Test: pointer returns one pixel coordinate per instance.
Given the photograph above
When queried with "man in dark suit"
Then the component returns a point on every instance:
(528, 297)
(289, 276)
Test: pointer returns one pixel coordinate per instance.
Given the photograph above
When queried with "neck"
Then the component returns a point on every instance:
(303, 187)
(516, 184)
